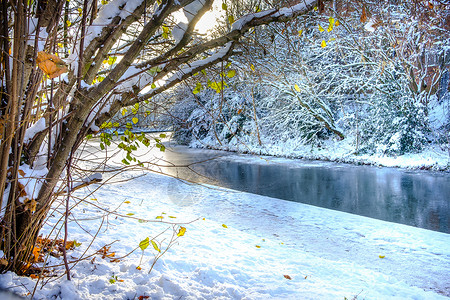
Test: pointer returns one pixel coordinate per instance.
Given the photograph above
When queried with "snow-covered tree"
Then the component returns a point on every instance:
(375, 72)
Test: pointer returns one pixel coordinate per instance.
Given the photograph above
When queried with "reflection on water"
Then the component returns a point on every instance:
(419, 199)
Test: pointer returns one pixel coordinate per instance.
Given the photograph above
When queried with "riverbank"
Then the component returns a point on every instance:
(431, 158)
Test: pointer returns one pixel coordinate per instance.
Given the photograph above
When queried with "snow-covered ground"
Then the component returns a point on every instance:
(236, 246)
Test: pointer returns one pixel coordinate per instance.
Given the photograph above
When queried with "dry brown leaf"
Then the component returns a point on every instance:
(287, 277)
(51, 64)
(363, 18)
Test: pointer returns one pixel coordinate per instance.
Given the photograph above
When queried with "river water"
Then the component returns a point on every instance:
(416, 198)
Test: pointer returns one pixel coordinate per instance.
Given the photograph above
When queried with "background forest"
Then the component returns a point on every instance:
(372, 77)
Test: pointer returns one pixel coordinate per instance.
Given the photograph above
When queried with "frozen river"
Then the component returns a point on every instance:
(416, 198)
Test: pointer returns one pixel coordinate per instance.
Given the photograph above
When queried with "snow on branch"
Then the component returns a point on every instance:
(187, 72)
(181, 68)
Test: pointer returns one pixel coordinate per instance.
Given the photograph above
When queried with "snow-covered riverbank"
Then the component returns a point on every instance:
(246, 247)
(432, 157)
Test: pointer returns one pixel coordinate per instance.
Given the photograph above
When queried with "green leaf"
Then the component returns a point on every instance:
(102, 146)
(153, 85)
(112, 280)
(224, 6)
(162, 135)
(154, 70)
(125, 161)
(144, 243)
(155, 246)
(230, 19)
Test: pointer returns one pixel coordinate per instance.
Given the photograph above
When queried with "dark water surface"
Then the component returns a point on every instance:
(416, 198)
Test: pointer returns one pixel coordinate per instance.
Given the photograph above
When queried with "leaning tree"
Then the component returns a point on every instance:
(67, 67)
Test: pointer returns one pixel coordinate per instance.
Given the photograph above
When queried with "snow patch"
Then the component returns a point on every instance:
(31, 132)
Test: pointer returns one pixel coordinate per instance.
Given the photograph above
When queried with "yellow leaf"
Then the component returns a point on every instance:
(135, 120)
(155, 246)
(203, 219)
(331, 19)
(126, 202)
(159, 217)
(231, 73)
(181, 232)
(144, 243)
(297, 88)
(300, 32)
(94, 199)
(80, 11)
(381, 256)
(324, 44)
(321, 29)
(257, 246)
(68, 23)
(337, 23)
(172, 217)
(224, 226)
(316, 8)
(124, 111)
(104, 2)
(130, 214)
(252, 67)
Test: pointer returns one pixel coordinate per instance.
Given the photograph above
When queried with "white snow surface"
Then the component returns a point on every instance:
(326, 254)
